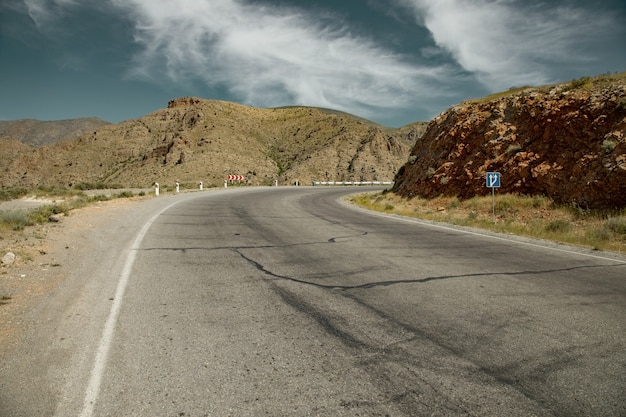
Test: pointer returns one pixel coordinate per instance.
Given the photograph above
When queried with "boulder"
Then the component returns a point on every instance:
(8, 259)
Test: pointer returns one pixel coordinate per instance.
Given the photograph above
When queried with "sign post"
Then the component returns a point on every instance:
(493, 182)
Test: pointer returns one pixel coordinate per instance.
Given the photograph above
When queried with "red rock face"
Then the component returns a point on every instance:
(569, 145)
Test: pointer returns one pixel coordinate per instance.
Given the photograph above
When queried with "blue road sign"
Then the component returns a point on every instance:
(493, 179)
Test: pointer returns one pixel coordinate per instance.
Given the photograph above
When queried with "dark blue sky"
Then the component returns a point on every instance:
(391, 61)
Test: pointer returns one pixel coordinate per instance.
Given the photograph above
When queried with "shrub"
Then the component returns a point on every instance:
(600, 234)
(96, 186)
(15, 219)
(508, 203)
(582, 82)
(11, 193)
(57, 191)
(608, 146)
(539, 201)
(513, 149)
(579, 212)
(430, 172)
(558, 226)
(412, 159)
(99, 197)
(43, 213)
(616, 225)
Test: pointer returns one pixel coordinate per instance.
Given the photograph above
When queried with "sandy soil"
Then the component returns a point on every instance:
(45, 256)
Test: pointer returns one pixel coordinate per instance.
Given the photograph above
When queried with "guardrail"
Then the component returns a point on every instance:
(352, 183)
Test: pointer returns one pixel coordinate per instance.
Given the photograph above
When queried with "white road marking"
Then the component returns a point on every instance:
(93, 387)
(487, 234)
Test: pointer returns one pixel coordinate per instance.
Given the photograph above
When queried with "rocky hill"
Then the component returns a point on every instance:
(39, 133)
(194, 140)
(567, 142)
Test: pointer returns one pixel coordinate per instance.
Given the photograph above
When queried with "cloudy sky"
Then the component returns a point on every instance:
(391, 61)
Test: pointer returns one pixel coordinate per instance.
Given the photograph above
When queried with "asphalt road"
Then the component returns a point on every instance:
(286, 302)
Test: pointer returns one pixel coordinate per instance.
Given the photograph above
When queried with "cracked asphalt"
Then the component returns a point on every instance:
(287, 302)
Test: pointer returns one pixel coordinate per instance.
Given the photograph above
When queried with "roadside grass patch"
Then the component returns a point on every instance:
(617, 225)
(17, 220)
(12, 193)
(532, 216)
(96, 186)
(13, 220)
(559, 225)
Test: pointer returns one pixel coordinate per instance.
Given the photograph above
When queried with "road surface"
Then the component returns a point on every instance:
(287, 302)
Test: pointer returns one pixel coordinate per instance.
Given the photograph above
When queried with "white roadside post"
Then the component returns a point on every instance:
(177, 188)
(225, 183)
(493, 182)
(201, 186)
(156, 189)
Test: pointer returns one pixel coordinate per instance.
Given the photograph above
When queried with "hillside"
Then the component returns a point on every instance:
(38, 133)
(195, 140)
(566, 142)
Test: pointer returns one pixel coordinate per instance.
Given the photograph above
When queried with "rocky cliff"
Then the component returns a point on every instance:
(567, 142)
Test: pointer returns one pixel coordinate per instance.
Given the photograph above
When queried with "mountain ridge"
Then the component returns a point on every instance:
(39, 133)
(197, 140)
(565, 141)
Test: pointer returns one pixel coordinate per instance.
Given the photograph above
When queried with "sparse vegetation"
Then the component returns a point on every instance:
(513, 149)
(559, 225)
(11, 193)
(56, 191)
(531, 216)
(13, 220)
(608, 146)
(583, 82)
(495, 96)
(96, 186)
(17, 220)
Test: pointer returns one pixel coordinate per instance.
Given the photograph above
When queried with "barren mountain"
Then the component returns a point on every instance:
(195, 140)
(566, 141)
(39, 133)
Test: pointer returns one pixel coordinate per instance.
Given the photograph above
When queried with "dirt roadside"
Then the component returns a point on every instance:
(45, 256)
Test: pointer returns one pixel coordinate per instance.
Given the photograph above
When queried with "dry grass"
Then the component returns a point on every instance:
(583, 82)
(536, 217)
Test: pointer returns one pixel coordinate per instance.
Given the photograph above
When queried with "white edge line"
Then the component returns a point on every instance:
(93, 387)
(462, 229)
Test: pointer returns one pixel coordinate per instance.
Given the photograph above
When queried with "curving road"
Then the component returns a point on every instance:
(287, 302)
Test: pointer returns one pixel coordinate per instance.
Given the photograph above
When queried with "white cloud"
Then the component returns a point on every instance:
(508, 42)
(43, 12)
(270, 56)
